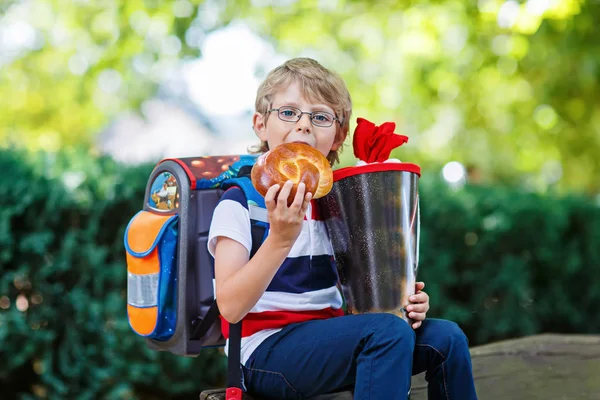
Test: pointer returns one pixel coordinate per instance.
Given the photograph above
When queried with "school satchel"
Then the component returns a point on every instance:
(170, 274)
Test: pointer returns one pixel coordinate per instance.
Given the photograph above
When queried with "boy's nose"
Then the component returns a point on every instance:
(304, 125)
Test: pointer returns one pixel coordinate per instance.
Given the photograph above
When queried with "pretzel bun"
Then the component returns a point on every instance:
(297, 162)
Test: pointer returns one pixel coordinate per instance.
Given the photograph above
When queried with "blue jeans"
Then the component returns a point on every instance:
(373, 354)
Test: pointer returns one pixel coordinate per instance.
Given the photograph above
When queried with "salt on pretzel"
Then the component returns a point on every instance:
(297, 162)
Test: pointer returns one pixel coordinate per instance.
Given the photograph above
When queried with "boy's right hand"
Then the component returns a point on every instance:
(286, 222)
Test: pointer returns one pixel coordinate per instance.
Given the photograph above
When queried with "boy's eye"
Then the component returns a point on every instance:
(322, 117)
(289, 113)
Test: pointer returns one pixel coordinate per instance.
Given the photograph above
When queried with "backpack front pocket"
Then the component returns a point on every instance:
(151, 244)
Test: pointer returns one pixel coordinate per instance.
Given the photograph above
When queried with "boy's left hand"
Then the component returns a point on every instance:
(419, 305)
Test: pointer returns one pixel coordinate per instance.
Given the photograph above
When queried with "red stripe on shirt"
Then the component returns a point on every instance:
(256, 322)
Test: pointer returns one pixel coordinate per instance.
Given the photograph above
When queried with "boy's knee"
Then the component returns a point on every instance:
(395, 327)
(457, 334)
(453, 334)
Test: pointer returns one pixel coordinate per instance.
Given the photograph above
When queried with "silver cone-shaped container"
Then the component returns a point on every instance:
(372, 217)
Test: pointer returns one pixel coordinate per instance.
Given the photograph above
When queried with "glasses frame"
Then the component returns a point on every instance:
(310, 116)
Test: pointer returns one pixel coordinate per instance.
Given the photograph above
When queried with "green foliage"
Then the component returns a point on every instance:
(89, 61)
(511, 91)
(501, 86)
(63, 323)
(500, 262)
(504, 263)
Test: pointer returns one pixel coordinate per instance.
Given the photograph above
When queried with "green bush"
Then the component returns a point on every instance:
(501, 263)
(62, 257)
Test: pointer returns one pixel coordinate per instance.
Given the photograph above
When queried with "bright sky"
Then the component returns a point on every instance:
(223, 81)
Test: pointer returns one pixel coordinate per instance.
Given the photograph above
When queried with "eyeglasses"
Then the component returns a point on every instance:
(322, 119)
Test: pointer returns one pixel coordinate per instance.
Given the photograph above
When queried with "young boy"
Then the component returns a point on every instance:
(296, 342)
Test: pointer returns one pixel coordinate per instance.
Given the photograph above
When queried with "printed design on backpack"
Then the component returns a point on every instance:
(151, 244)
(210, 172)
(164, 192)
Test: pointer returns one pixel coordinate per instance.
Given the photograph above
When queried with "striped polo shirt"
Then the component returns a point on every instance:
(305, 286)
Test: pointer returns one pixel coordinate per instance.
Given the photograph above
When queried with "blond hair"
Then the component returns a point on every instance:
(318, 84)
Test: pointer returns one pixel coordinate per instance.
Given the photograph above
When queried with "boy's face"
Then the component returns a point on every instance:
(274, 131)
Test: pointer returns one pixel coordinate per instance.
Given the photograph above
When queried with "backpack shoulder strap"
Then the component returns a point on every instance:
(258, 226)
(256, 209)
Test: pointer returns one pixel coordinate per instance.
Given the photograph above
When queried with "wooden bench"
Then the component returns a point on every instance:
(531, 368)
(539, 367)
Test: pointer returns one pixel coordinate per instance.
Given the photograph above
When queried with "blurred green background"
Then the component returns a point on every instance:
(499, 99)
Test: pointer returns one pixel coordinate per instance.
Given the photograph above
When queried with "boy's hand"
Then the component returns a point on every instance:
(419, 306)
(286, 222)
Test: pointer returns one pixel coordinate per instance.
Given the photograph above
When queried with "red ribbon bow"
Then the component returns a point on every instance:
(374, 143)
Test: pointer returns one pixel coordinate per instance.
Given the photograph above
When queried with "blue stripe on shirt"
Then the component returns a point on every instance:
(298, 274)
(236, 194)
(301, 274)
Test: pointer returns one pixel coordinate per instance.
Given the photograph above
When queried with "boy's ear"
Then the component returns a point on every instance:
(259, 125)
